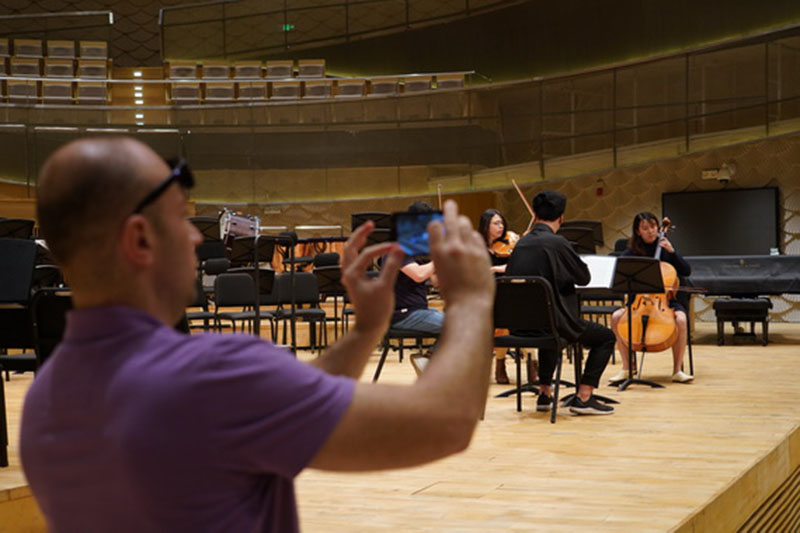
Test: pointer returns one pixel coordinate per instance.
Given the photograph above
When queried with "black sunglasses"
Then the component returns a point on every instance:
(180, 173)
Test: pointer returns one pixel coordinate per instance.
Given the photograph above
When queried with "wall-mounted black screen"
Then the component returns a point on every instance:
(729, 222)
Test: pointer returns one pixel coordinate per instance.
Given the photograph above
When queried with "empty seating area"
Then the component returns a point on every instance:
(37, 71)
(54, 71)
(220, 82)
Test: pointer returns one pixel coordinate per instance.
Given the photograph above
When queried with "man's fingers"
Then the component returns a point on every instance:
(363, 259)
(435, 234)
(464, 229)
(450, 218)
(477, 240)
(356, 241)
(391, 266)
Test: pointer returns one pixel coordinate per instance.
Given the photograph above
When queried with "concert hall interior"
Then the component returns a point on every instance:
(301, 121)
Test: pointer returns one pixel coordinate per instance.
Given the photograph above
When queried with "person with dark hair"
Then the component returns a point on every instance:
(411, 311)
(543, 253)
(644, 242)
(133, 426)
(500, 242)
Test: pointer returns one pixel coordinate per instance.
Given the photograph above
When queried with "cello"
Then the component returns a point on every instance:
(653, 327)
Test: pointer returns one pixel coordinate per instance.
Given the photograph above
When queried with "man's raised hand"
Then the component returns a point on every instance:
(459, 255)
(372, 298)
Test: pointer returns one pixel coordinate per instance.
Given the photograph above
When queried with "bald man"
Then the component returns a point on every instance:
(132, 426)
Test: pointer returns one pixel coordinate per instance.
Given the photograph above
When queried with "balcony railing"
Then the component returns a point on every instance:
(475, 138)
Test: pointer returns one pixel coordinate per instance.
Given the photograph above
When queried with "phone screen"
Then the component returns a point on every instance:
(410, 230)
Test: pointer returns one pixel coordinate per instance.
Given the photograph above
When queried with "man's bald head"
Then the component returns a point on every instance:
(86, 190)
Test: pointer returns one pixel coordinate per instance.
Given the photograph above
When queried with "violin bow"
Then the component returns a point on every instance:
(525, 201)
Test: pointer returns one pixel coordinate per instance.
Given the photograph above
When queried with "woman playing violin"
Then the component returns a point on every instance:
(643, 242)
(499, 239)
(500, 242)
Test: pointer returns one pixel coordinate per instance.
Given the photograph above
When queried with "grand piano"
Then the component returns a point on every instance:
(745, 276)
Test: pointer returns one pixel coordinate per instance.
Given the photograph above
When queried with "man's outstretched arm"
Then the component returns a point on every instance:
(389, 426)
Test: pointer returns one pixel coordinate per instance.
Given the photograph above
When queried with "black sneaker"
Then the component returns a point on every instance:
(544, 402)
(592, 406)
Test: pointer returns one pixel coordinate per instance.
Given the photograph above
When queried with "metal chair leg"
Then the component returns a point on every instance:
(381, 361)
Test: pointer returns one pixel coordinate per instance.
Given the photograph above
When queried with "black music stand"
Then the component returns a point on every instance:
(288, 239)
(207, 226)
(381, 220)
(383, 225)
(253, 250)
(577, 363)
(329, 281)
(581, 238)
(531, 386)
(636, 275)
(595, 225)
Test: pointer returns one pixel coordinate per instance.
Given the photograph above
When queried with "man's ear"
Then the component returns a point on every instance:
(137, 241)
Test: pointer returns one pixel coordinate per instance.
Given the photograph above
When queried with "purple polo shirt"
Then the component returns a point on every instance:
(132, 426)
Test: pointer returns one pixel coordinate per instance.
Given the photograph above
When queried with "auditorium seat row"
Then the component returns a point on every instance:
(25, 58)
(249, 70)
(292, 89)
(29, 67)
(60, 78)
(34, 48)
(55, 92)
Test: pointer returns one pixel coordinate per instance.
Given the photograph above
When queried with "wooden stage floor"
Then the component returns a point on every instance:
(699, 457)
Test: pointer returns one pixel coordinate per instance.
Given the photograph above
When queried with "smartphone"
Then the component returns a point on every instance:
(410, 230)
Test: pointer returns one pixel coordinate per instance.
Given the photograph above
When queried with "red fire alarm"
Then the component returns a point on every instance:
(599, 189)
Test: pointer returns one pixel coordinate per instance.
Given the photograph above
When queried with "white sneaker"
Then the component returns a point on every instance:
(681, 377)
(622, 375)
(418, 363)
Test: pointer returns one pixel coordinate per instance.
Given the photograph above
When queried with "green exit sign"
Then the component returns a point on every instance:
(287, 27)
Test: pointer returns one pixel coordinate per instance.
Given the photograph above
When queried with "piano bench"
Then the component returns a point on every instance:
(737, 310)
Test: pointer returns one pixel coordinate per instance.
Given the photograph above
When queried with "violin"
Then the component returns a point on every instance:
(502, 248)
(653, 327)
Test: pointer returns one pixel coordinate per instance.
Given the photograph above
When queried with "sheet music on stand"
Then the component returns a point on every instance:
(602, 268)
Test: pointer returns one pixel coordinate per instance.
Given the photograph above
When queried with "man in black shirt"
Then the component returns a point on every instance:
(543, 253)
(411, 311)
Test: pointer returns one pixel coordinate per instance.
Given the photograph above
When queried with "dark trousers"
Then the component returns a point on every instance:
(600, 341)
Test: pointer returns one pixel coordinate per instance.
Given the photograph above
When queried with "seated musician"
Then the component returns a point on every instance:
(411, 311)
(643, 242)
(500, 242)
(543, 253)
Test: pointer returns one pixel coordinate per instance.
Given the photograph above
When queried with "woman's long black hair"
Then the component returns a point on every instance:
(483, 225)
(636, 243)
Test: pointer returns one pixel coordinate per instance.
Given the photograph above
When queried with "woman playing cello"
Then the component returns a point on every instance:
(500, 242)
(644, 242)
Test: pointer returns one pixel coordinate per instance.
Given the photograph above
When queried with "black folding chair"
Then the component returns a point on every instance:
(306, 292)
(236, 290)
(525, 304)
(200, 302)
(329, 282)
(400, 335)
